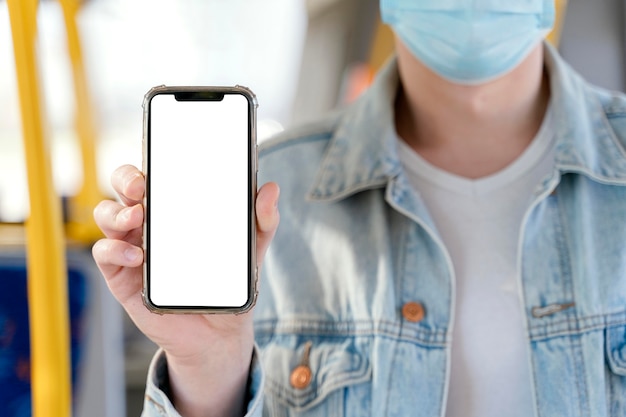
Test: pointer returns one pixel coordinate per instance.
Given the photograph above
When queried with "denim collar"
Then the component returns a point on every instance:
(586, 143)
(362, 153)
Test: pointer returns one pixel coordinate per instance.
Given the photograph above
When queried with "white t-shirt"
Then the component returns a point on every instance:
(479, 222)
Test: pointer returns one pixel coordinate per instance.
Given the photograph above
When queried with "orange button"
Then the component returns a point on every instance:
(413, 311)
(300, 377)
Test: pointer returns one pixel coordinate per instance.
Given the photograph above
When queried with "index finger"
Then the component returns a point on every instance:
(129, 183)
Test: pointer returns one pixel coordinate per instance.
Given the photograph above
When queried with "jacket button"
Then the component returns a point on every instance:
(413, 311)
(300, 377)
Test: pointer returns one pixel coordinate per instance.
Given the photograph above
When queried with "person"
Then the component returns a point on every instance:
(451, 244)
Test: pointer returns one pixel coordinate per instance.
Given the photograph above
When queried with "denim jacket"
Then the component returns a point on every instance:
(354, 316)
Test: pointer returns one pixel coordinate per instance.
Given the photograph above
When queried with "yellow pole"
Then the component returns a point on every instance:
(47, 270)
(382, 47)
(81, 225)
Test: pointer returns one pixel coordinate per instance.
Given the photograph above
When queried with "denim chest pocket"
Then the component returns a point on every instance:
(315, 377)
(615, 343)
(616, 349)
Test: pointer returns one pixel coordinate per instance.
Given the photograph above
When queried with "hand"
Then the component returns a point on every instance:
(205, 353)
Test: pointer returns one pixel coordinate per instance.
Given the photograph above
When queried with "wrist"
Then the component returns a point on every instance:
(212, 383)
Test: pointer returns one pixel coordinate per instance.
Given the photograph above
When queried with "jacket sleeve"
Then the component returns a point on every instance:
(157, 402)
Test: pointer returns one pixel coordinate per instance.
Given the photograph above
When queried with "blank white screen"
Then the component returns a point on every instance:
(198, 202)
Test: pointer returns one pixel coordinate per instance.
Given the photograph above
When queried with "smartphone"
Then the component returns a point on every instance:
(200, 163)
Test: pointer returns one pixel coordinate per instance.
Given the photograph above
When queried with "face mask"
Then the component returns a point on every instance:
(469, 41)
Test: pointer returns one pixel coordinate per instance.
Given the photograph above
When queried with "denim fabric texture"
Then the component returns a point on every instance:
(356, 244)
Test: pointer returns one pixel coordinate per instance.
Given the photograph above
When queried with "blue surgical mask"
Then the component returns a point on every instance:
(470, 41)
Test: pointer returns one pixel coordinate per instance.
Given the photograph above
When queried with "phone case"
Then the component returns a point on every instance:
(252, 128)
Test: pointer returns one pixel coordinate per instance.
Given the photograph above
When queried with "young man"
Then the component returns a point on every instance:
(452, 244)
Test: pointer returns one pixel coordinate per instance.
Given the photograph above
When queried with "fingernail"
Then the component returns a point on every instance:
(124, 214)
(132, 254)
(130, 179)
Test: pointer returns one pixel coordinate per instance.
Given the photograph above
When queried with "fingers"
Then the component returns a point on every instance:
(119, 256)
(117, 221)
(111, 252)
(121, 264)
(267, 217)
(129, 183)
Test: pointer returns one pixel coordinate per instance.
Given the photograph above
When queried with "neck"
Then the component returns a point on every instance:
(471, 131)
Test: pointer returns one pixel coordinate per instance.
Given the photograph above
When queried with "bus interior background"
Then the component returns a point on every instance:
(302, 58)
